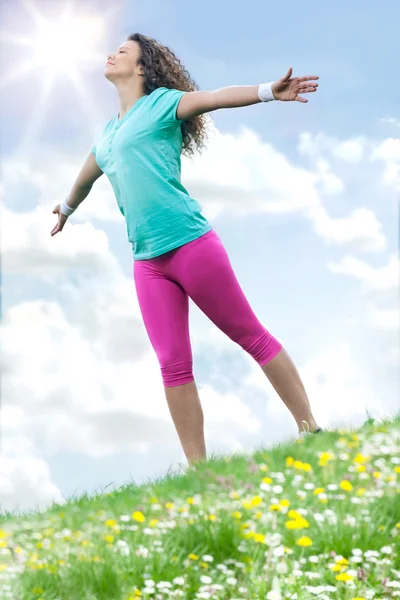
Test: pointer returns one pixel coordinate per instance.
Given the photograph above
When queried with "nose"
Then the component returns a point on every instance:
(110, 57)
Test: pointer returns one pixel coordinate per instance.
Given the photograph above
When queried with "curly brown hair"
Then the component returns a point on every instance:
(163, 69)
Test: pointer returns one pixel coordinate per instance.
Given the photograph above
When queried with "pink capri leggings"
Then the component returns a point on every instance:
(202, 270)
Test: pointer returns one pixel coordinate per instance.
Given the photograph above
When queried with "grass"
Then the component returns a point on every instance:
(318, 518)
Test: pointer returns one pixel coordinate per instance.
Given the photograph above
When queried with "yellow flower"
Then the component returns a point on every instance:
(246, 504)
(346, 485)
(204, 565)
(4, 534)
(237, 514)
(361, 491)
(297, 524)
(153, 500)
(324, 458)
(169, 505)
(358, 598)
(138, 516)
(212, 518)
(109, 539)
(397, 525)
(256, 501)
(304, 541)
(267, 480)
(361, 468)
(396, 470)
(263, 468)
(275, 507)
(293, 514)
(376, 474)
(153, 522)
(289, 461)
(342, 561)
(111, 522)
(259, 537)
(344, 577)
(193, 557)
(336, 568)
(190, 500)
(318, 491)
(360, 458)
(284, 502)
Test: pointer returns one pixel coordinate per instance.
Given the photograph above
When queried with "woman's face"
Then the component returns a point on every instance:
(123, 63)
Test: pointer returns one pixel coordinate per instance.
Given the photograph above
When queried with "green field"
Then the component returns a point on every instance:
(317, 518)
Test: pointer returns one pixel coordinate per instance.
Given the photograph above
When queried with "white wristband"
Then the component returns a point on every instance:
(265, 92)
(65, 209)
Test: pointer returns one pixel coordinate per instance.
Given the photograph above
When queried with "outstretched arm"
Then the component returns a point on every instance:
(193, 104)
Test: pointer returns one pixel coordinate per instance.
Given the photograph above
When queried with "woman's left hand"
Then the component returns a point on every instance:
(289, 89)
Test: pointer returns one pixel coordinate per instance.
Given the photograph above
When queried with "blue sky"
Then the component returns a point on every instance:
(315, 251)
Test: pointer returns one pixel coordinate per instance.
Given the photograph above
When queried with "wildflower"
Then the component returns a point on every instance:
(297, 524)
(346, 485)
(256, 501)
(284, 502)
(267, 480)
(274, 507)
(138, 516)
(304, 541)
(344, 577)
(360, 458)
(193, 556)
(319, 490)
(324, 458)
(290, 460)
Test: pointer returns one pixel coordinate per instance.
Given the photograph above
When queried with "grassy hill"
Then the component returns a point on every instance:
(318, 518)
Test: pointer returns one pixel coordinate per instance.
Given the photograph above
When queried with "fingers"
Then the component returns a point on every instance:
(306, 90)
(308, 78)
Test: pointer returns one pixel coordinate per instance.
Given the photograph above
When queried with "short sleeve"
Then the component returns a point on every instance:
(164, 107)
(94, 149)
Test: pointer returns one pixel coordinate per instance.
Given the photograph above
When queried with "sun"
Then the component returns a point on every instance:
(65, 46)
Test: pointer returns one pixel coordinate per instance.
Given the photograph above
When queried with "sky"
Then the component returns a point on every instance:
(305, 198)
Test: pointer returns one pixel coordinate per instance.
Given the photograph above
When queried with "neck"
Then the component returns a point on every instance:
(128, 94)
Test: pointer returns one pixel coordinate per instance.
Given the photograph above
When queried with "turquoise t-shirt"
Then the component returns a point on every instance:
(141, 156)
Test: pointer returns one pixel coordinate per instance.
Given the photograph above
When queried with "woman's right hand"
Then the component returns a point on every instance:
(62, 219)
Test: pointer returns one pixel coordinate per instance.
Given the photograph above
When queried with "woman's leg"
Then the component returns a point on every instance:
(164, 305)
(204, 270)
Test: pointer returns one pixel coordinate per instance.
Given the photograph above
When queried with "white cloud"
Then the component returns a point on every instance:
(384, 278)
(25, 483)
(388, 152)
(390, 121)
(28, 247)
(386, 319)
(360, 229)
(313, 146)
(245, 175)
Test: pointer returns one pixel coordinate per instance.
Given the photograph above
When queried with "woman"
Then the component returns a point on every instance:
(177, 254)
